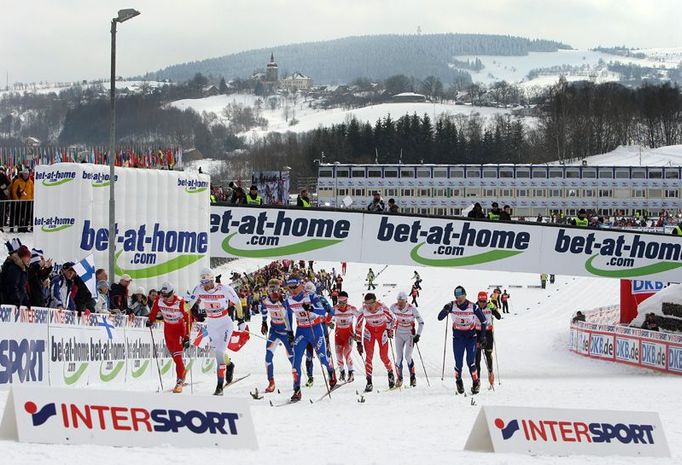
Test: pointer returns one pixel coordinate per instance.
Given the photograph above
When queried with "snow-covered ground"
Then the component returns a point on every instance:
(634, 155)
(425, 424)
(312, 118)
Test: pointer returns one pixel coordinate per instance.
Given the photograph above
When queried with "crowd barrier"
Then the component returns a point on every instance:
(16, 215)
(57, 348)
(624, 344)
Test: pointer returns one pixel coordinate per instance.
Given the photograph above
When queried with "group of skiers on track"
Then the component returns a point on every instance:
(293, 298)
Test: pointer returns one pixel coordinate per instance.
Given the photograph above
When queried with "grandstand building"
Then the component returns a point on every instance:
(530, 190)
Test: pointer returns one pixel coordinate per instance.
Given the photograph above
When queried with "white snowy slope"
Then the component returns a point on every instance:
(425, 424)
(634, 155)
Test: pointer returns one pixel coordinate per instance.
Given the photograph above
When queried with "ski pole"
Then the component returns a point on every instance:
(156, 357)
(324, 375)
(422, 360)
(390, 341)
(487, 365)
(497, 361)
(445, 343)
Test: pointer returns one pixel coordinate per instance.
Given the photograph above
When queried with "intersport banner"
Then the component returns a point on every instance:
(161, 220)
(333, 235)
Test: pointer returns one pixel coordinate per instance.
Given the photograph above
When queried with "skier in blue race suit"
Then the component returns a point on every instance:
(309, 313)
(464, 314)
(273, 304)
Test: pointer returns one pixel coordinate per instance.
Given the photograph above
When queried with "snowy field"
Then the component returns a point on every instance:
(424, 424)
(634, 155)
(311, 118)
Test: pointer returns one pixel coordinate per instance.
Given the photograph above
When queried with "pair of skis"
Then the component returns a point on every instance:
(312, 401)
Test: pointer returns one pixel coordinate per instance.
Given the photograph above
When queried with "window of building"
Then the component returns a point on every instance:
(672, 173)
(423, 173)
(489, 192)
(456, 211)
(407, 173)
(672, 193)
(605, 174)
(489, 173)
(343, 192)
(324, 191)
(440, 173)
(605, 193)
(439, 192)
(456, 173)
(506, 172)
(622, 173)
(391, 192)
(655, 193)
(341, 172)
(638, 193)
(538, 192)
(638, 173)
(522, 192)
(473, 173)
(523, 173)
(555, 173)
(441, 211)
(506, 192)
(539, 173)
(655, 173)
(555, 193)
(424, 192)
(572, 173)
(455, 192)
(374, 173)
(424, 211)
(589, 193)
(589, 173)
(390, 173)
(326, 173)
(408, 192)
(358, 173)
(572, 192)
(358, 192)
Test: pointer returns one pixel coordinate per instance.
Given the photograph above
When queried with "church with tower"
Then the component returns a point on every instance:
(294, 82)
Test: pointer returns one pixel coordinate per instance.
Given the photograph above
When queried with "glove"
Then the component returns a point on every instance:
(290, 337)
(185, 342)
(148, 323)
(360, 349)
(415, 338)
(331, 325)
(264, 328)
(389, 333)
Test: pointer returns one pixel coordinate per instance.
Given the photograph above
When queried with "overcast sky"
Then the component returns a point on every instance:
(59, 40)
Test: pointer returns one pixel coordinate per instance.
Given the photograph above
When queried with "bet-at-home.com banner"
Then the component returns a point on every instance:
(442, 242)
(161, 220)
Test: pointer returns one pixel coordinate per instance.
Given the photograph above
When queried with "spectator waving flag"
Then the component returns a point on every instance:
(85, 269)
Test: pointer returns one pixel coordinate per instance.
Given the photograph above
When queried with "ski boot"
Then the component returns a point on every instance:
(342, 375)
(460, 386)
(229, 373)
(296, 396)
(391, 380)
(370, 386)
(476, 387)
(351, 378)
(332, 379)
(399, 381)
(178, 386)
(413, 380)
(309, 383)
(219, 389)
(271, 386)
(491, 378)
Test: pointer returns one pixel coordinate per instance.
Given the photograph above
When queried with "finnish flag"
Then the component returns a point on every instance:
(85, 269)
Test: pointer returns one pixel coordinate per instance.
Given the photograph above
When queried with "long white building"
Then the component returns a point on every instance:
(529, 189)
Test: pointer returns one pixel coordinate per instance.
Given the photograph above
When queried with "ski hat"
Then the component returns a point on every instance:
(140, 290)
(483, 296)
(102, 285)
(36, 255)
(460, 291)
(402, 295)
(166, 289)
(293, 281)
(13, 245)
(310, 287)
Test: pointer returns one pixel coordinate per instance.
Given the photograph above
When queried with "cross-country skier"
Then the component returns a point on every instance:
(309, 313)
(489, 310)
(324, 308)
(217, 300)
(175, 328)
(280, 328)
(378, 327)
(464, 315)
(344, 313)
(406, 336)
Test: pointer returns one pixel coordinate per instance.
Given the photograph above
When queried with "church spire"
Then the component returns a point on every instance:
(272, 57)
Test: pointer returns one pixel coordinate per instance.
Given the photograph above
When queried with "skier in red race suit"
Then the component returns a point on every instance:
(378, 327)
(175, 328)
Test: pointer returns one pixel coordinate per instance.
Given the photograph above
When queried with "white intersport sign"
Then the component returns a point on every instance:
(161, 220)
(268, 232)
(553, 431)
(117, 418)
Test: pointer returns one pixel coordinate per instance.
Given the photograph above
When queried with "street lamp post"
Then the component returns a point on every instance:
(123, 15)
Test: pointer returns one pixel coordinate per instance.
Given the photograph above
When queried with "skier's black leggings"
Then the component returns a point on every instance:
(488, 349)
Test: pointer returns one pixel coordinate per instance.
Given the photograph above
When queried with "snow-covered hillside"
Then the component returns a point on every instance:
(309, 118)
(424, 424)
(634, 155)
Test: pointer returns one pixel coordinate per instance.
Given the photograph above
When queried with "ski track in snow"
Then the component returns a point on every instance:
(426, 423)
